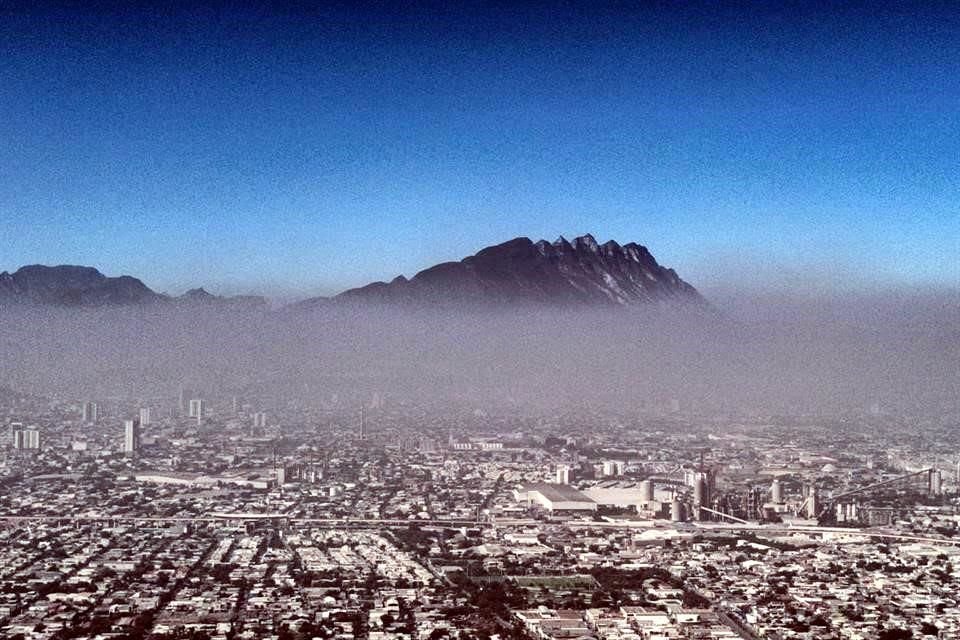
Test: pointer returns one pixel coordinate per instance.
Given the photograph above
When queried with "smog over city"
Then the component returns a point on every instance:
(482, 320)
(831, 355)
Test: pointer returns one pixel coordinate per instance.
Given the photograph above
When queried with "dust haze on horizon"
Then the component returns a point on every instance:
(767, 354)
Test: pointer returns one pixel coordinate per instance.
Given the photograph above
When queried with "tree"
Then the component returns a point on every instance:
(895, 634)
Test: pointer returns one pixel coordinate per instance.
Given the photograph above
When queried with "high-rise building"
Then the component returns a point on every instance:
(613, 468)
(131, 436)
(260, 420)
(563, 474)
(25, 438)
(197, 408)
(145, 416)
(936, 482)
(31, 438)
(16, 435)
(90, 412)
(363, 423)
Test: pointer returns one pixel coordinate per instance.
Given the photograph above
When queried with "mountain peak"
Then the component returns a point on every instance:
(198, 294)
(201, 296)
(586, 242)
(562, 245)
(520, 271)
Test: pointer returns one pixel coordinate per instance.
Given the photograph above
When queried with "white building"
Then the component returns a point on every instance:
(131, 436)
(197, 409)
(91, 412)
(16, 435)
(554, 497)
(28, 438)
(613, 468)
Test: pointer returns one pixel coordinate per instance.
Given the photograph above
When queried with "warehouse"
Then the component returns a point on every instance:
(554, 497)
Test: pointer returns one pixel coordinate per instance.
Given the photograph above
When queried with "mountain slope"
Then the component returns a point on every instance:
(515, 272)
(202, 297)
(71, 285)
(558, 273)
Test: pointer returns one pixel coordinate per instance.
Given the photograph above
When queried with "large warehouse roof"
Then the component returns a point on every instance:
(557, 492)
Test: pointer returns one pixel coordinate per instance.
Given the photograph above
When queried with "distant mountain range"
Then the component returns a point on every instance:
(68, 285)
(520, 271)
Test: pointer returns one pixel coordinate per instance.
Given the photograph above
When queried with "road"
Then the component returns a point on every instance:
(628, 525)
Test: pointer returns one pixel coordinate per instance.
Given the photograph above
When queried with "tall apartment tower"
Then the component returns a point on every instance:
(24, 438)
(31, 438)
(196, 408)
(16, 434)
(131, 436)
(613, 468)
(90, 412)
(145, 416)
(563, 474)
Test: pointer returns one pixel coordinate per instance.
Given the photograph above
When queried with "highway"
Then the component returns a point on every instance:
(241, 517)
(374, 523)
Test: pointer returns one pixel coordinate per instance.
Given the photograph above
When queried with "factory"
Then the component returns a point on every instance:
(554, 497)
(622, 494)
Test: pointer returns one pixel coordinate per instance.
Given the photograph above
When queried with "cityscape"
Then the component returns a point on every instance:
(479, 320)
(196, 517)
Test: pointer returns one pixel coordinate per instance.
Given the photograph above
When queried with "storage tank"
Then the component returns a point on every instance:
(813, 503)
(646, 491)
(776, 491)
(701, 493)
(677, 511)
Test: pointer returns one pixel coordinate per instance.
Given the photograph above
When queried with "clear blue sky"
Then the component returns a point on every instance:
(316, 150)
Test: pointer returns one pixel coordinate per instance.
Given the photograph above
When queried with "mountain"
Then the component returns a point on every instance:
(71, 285)
(581, 272)
(68, 285)
(201, 296)
(519, 271)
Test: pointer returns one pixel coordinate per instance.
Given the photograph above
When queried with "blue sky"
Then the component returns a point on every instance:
(310, 151)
